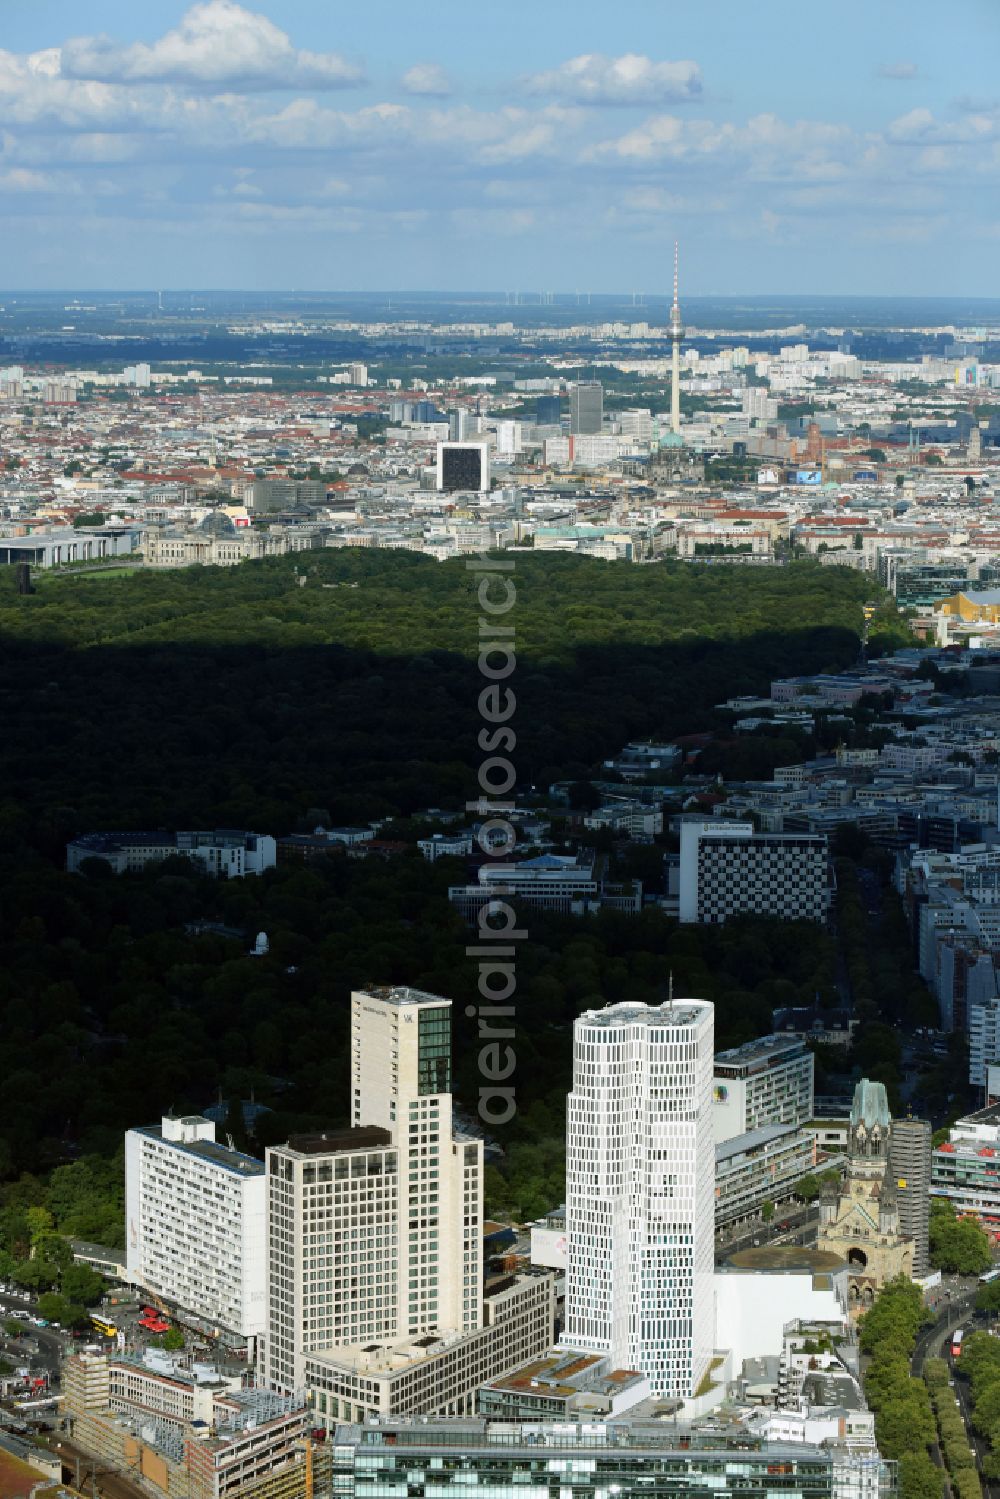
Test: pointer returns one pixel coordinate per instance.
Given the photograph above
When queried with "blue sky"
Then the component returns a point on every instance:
(556, 145)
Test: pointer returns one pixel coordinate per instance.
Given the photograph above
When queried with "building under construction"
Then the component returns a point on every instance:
(190, 1433)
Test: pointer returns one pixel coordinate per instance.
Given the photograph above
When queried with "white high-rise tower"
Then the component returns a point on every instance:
(640, 1190)
(676, 335)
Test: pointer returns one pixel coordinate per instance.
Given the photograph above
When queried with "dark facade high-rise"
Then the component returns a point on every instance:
(586, 407)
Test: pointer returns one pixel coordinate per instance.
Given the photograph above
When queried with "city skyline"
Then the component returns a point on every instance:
(268, 146)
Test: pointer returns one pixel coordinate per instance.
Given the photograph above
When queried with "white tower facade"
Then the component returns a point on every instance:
(640, 1190)
(676, 336)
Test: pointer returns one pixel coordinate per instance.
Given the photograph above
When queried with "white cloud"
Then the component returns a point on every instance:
(903, 71)
(427, 78)
(593, 78)
(218, 43)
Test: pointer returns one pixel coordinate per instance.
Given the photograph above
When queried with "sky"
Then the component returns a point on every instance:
(790, 146)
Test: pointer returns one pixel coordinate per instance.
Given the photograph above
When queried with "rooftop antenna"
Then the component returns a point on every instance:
(670, 991)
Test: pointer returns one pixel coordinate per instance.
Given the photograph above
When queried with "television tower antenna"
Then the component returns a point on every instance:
(676, 336)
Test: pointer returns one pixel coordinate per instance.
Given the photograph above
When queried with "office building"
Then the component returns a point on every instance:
(763, 1165)
(376, 1297)
(463, 466)
(436, 1374)
(910, 1165)
(357, 374)
(461, 424)
(586, 407)
(767, 1081)
(726, 869)
(563, 1385)
(964, 1167)
(594, 1459)
(224, 853)
(548, 411)
(264, 496)
(401, 1082)
(195, 1224)
(640, 1175)
(568, 883)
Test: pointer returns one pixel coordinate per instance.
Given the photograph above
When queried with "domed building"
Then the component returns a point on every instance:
(859, 1220)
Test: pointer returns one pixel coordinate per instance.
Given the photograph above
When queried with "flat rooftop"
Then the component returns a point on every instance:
(754, 1053)
(402, 994)
(210, 1151)
(566, 1372)
(335, 1142)
(679, 1012)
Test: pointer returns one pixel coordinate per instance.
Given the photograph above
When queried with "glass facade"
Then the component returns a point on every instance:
(434, 1052)
(479, 1460)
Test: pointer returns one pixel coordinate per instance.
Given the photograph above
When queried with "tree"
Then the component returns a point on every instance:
(82, 1284)
(807, 1189)
(957, 1245)
(53, 1307)
(767, 1212)
(172, 1339)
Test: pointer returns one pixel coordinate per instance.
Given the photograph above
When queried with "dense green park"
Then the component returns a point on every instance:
(241, 698)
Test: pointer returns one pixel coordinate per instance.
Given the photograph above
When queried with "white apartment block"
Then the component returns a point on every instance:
(640, 1184)
(726, 870)
(768, 1081)
(195, 1221)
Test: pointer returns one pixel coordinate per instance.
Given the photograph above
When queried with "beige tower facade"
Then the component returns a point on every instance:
(401, 1082)
(375, 1232)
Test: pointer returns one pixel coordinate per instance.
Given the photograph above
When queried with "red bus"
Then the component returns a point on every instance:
(956, 1342)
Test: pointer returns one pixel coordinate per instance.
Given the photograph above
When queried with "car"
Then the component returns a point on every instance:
(21, 1316)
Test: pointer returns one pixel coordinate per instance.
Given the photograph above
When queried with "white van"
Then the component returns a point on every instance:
(21, 1316)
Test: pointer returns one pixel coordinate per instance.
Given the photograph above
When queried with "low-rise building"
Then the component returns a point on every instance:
(764, 1165)
(436, 1374)
(621, 1457)
(184, 1436)
(563, 1385)
(225, 852)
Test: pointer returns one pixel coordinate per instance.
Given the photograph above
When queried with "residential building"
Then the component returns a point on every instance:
(767, 1081)
(224, 852)
(726, 870)
(586, 407)
(195, 1224)
(640, 1172)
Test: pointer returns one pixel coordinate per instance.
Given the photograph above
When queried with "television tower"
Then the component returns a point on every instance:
(676, 334)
